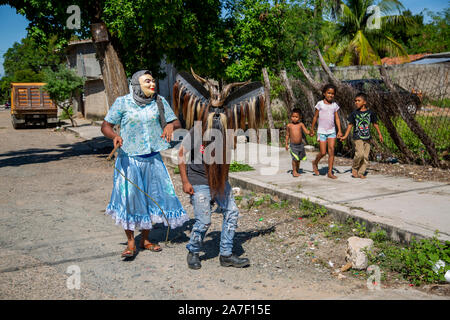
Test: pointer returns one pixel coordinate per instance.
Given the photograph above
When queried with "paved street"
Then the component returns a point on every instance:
(53, 192)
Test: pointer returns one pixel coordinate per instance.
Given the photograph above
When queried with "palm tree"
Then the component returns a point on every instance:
(361, 36)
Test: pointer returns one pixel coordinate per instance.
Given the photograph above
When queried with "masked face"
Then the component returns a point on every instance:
(148, 85)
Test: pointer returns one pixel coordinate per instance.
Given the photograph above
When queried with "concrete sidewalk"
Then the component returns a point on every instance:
(401, 206)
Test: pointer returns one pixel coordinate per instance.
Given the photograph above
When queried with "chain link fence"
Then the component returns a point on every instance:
(413, 108)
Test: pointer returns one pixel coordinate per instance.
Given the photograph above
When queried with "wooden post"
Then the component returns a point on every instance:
(291, 100)
(415, 127)
(267, 98)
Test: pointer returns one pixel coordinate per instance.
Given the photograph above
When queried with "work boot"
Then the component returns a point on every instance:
(233, 261)
(193, 260)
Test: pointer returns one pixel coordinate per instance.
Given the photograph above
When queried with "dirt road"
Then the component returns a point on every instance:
(53, 192)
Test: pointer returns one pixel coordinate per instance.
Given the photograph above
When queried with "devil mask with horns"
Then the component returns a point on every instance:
(199, 99)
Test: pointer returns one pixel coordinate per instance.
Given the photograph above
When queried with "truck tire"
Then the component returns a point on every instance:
(15, 124)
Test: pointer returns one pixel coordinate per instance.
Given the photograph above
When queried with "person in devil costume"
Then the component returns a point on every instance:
(205, 175)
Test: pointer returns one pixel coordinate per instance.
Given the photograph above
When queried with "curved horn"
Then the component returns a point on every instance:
(197, 77)
(203, 81)
(229, 86)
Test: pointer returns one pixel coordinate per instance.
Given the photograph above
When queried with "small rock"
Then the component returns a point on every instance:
(341, 276)
(355, 253)
(244, 203)
(274, 199)
(346, 267)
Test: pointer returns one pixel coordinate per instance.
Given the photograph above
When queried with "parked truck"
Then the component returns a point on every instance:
(30, 104)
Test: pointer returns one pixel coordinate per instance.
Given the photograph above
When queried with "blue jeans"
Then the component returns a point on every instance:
(201, 200)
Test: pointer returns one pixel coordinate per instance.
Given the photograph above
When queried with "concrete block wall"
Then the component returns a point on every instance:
(95, 100)
(432, 79)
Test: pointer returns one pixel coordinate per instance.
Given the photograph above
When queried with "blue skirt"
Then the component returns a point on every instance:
(130, 207)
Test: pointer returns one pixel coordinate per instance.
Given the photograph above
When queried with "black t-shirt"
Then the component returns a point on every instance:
(195, 168)
(361, 120)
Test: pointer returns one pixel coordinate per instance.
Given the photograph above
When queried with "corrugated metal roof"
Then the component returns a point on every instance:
(427, 60)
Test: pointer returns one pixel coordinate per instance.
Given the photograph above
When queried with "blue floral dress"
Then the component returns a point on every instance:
(140, 161)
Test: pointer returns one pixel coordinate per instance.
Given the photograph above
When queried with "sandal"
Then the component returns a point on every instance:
(129, 253)
(152, 247)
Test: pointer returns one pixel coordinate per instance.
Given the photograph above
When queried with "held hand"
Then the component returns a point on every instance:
(167, 133)
(311, 133)
(187, 188)
(287, 148)
(118, 141)
(339, 135)
(343, 138)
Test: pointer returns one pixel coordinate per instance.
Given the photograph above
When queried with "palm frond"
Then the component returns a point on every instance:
(393, 47)
(393, 21)
(390, 6)
(366, 53)
(347, 16)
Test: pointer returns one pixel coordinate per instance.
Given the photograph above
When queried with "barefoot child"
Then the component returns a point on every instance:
(326, 113)
(294, 136)
(361, 118)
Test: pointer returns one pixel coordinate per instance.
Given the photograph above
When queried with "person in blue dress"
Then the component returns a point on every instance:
(140, 140)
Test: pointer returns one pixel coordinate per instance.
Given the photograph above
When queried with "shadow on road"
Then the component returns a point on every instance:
(211, 247)
(96, 146)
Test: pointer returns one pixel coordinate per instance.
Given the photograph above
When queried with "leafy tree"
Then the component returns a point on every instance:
(142, 33)
(185, 33)
(257, 31)
(25, 62)
(433, 37)
(62, 86)
(269, 34)
(360, 42)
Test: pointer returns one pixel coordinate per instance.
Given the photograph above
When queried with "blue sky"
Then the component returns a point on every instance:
(13, 25)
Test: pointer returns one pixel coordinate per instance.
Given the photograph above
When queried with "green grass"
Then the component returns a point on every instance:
(415, 261)
(441, 103)
(234, 167)
(437, 128)
(237, 167)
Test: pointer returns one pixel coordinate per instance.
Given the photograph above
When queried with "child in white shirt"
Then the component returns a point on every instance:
(326, 113)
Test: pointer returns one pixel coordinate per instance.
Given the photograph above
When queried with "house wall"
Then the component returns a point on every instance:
(95, 105)
(165, 85)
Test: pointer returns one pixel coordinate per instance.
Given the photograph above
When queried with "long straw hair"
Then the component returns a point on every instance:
(216, 173)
